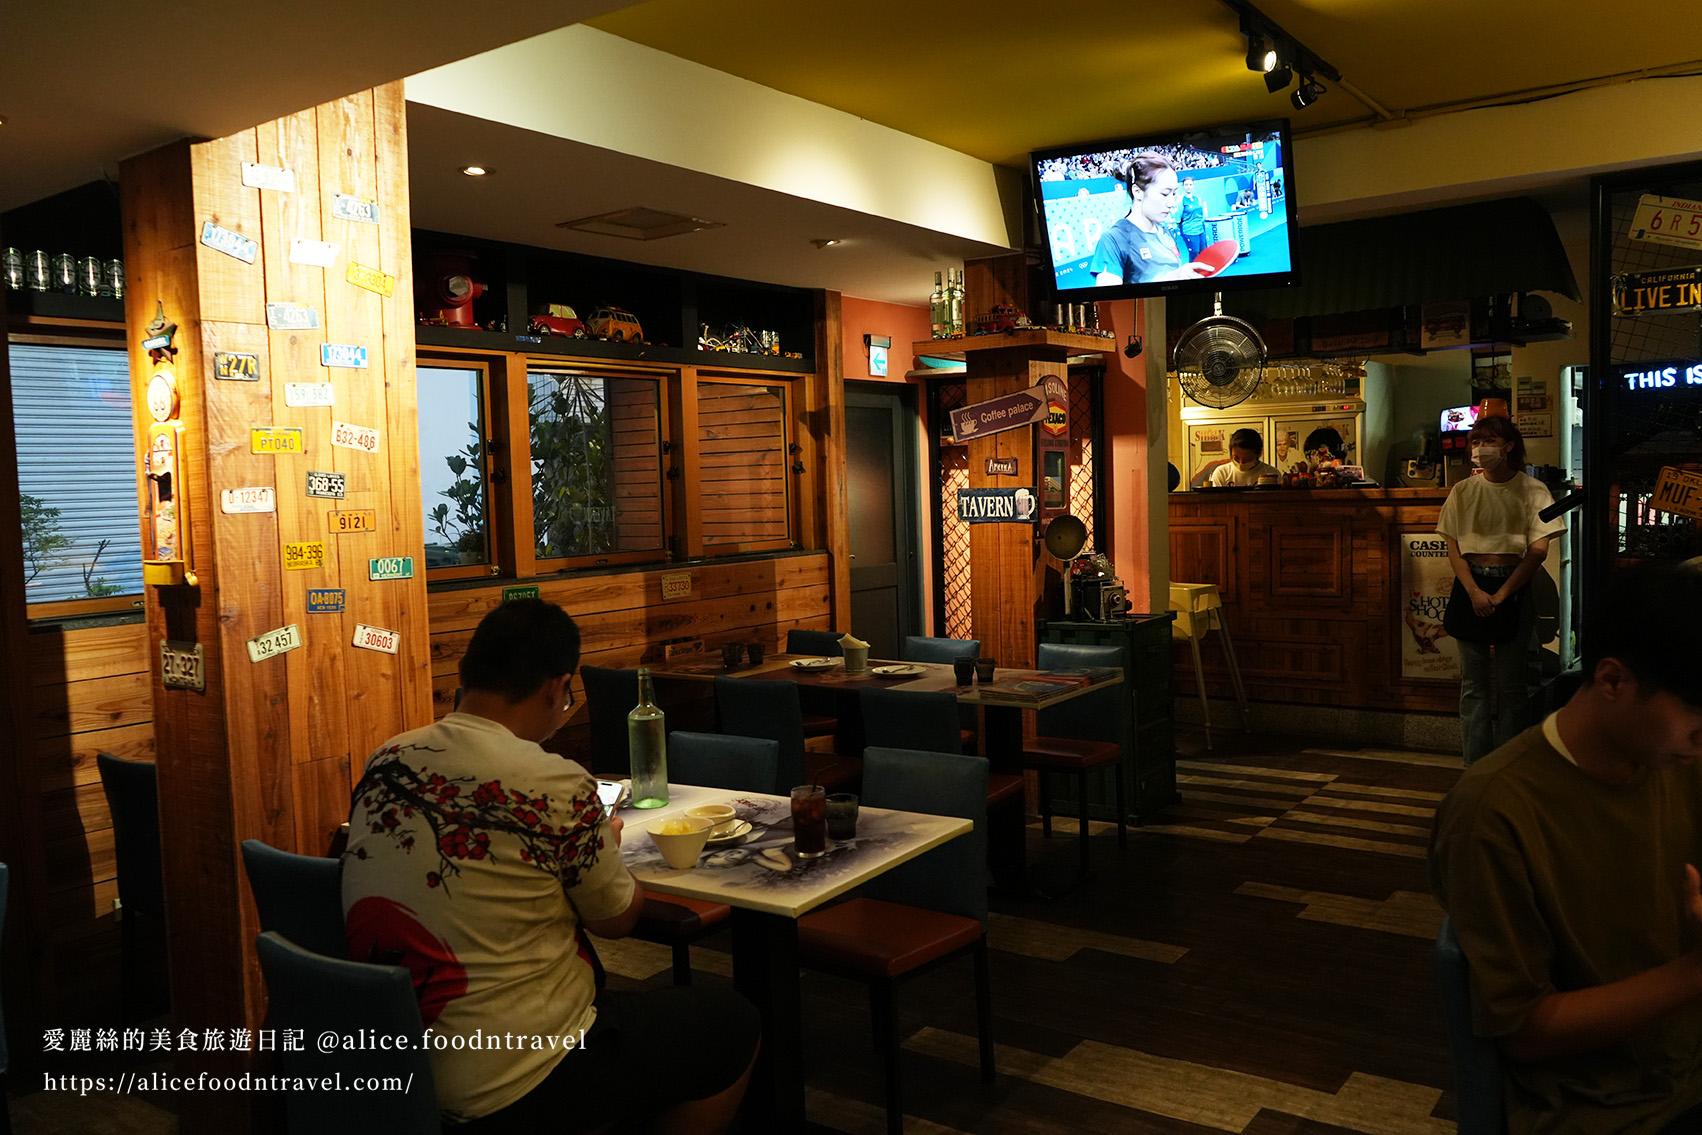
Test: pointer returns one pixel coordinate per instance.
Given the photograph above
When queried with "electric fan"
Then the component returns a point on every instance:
(1220, 360)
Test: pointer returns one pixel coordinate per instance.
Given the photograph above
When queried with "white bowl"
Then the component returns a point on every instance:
(680, 850)
(721, 817)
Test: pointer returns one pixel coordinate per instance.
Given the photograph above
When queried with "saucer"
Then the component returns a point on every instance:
(895, 671)
(735, 834)
(815, 663)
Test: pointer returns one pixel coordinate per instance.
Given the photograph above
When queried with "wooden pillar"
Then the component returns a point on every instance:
(825, 517)
(269, 750)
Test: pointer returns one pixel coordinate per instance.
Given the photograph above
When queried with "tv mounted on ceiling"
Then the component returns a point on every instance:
(1211, 210)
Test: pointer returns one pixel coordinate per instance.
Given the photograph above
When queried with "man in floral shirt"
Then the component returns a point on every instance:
(475, 858)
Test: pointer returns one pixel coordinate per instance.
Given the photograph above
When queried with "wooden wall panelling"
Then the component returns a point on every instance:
(685, 469)
(827, 421)
(318, 714)
(69, 758)
(744, 466)
(1203, 551)
(56, 655)
(162, 222)
(401, 400)
(635, 423)
(512, 427)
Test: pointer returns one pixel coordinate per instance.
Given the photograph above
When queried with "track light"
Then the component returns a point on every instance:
(1306, 94)
(1261, 54)
(1278, 79)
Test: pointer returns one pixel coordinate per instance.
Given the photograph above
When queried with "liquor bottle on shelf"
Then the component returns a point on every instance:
(954, 299)
(647, 744)
(14, 270)
(937, 309)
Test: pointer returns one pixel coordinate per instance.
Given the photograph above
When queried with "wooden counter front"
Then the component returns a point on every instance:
(1311, 586)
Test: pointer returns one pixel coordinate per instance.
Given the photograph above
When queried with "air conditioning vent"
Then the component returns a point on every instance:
(639, 223)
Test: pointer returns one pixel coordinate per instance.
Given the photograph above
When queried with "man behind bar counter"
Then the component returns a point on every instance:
(1565, 859)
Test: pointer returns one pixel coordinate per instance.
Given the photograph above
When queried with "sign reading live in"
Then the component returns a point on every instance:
(1675, 289)
(997, 506)
(1427, 579)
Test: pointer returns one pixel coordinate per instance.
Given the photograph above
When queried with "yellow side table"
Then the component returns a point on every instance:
(1199, 609)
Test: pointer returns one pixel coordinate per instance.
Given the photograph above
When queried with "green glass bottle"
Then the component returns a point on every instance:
(647, 745)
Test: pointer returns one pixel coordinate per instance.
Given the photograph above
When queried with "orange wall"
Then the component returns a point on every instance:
(904, 325)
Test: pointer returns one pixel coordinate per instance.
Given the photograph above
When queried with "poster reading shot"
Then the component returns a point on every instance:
(1427, 651)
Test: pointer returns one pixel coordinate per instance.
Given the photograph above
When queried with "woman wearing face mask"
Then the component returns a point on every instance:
(1244, 466)
(1140, 246)
(1496, 543)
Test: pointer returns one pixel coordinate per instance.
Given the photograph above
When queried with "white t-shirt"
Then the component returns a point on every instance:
(1486, 518)
(1228, 474)
(473, 856)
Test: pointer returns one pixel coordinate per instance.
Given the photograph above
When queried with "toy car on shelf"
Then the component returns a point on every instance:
(558, 319)
(1003, 318)
(616, 324)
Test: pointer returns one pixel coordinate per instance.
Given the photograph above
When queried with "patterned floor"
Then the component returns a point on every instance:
(1258, 964)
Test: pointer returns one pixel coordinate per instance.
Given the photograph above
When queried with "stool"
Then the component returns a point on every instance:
(1199, 608)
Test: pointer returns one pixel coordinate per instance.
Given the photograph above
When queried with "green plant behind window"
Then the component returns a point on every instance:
(464, 532)
(573, 505)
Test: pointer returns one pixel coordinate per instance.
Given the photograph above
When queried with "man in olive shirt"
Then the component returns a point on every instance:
(1565, 860)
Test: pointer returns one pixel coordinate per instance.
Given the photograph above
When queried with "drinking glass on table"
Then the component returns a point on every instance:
(809, 821)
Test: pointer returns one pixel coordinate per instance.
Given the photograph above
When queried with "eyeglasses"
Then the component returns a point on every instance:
(569, 704)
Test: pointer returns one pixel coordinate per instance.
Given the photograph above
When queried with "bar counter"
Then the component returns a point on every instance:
(1312, 591)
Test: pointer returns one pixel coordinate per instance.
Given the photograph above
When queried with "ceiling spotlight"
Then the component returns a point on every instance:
(1278, 79)
(1306, 94)
(826, 242)
(475, 171)
(1261, 54)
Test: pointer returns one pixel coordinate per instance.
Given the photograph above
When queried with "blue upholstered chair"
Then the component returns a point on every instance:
(1477, 1061)
(298, 896)
(5, 1056)
(768, 708)
(133, 798)
(738, 764)
(918, 648)
(1083, 734)
(823, 644)
(317, 994)
(719, 760)
(920, 914)
(911, 719)
(609, 696)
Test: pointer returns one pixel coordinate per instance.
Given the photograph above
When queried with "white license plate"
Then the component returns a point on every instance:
(1668, 220)
(181, 666)
(377, 638)
(273, 643)
(308, 394)
(350, 208)
(255, 498)
(363, 438)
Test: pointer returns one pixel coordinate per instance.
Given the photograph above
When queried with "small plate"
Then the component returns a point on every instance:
(895, 671)
(735, 834)
(815, 663)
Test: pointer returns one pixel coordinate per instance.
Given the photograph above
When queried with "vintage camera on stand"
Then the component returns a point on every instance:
(1098, 593)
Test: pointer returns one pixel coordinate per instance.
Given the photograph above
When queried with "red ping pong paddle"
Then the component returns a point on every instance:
(1218, 256)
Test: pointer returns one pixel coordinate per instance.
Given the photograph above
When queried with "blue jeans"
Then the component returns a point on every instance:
(1195, 244)
(1504, 667)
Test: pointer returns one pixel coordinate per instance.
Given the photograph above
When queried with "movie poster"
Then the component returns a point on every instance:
(1426, 580)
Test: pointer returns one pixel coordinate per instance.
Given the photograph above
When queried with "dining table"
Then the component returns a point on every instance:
(769, 887)
(1001, 727)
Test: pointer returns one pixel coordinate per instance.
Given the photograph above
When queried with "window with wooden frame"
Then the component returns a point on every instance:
(456, 470)
(77, 474)
(741, 497)
(596, 466)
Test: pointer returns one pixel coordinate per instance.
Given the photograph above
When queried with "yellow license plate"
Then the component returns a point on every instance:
(300, 557)
(371, 279)
(1678, 491)
(276, 439)
(353, 520)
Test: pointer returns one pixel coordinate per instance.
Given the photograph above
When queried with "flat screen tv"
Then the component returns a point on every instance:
(1210, 210)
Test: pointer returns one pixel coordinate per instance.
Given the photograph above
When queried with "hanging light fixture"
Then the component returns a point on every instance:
(1261, 54)
(1278, 79)
(1306, 94)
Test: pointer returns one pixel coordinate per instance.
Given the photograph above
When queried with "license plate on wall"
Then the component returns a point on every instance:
(273, 643)
(390, 567)
(353, 520)
(300, 557)
(363, 438)
(323, 484)
(377, 638)
(182, 667)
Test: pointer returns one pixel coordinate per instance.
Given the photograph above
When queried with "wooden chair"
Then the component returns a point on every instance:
(1480, 1106)
(919, 915)
(1081, 735)
(317, 994)
(738, 764)
(298, 896)
(769, 708)
(133, 797)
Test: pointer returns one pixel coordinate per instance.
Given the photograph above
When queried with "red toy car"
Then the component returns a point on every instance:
(558, 319)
